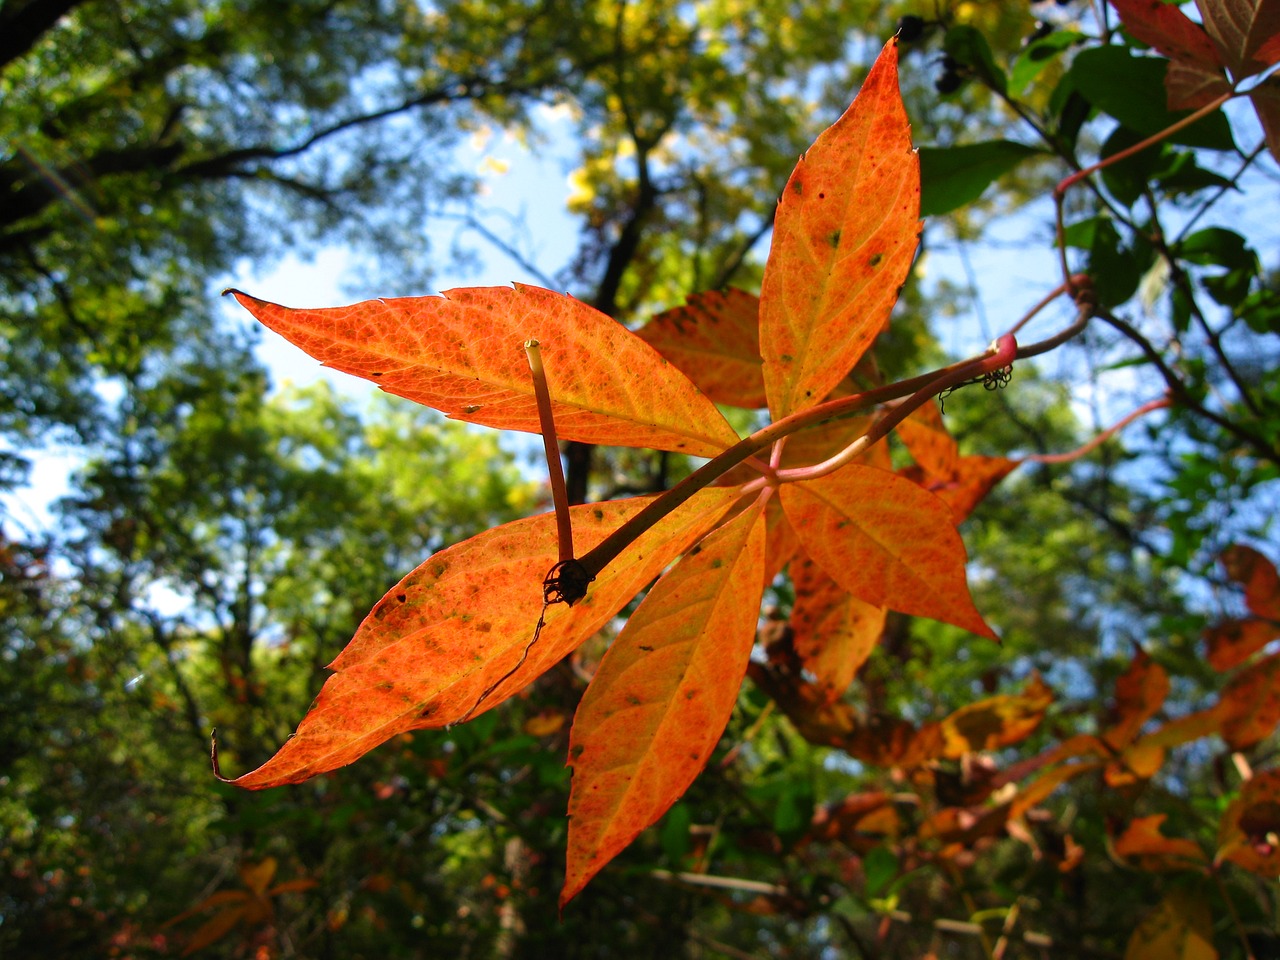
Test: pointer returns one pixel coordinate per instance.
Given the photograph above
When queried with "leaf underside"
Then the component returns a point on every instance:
(663, 694)
(846, 230)
(461, 621)
(463, 353)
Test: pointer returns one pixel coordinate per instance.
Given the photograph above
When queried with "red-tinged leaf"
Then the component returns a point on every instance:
(220, 898)
(1269, 52)
(1140, 692)
(662, 695)
(1202, 723)
(1250, 826)
(1266, 102)
(1143, 842)
(1167, 29)
(1139, 761)
(834, 632)
(928, 441)
(1257, 574)
(886, 541)
(1232, 642)
(715, 340)
(996, 721)
(1239, 29)
(1251, 704)
(843, 238)
(462, 621)
(1180, 928)
(1190, 86)
(292, 886)
(463, 353)
(846, 820)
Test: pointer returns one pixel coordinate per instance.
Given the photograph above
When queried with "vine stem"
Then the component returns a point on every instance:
(1000, 354)
(1159, 404)
(1059, 192)
(551, 447)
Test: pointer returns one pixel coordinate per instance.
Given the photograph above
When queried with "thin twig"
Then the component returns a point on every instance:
(551, 446)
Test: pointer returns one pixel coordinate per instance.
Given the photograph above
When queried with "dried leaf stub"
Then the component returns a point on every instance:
(663, 694)
(844, 235)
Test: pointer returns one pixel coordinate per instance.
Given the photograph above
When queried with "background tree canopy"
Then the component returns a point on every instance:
(222, 538)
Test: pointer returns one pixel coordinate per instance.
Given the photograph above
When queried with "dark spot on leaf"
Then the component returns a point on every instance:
(690, 694)
(717, 563)
(797, 186)
(378, 374)
(822, 196)
(633, 699)
(834, 239)
(697, 549)
(471, 408)
(645, 648)
(786, 358)
(598, 513)
(401, 598)
(484, 627)
(875, 259)
(576, 752)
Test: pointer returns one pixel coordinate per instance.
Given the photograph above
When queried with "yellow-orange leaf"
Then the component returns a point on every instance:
(463, 353)
(461, 621)
(1140, 692)
(996, 721)
(834, 632)
(846, 229)
(1180, 928)
(663, 693)
(715, 340)
(886, 541)
(1143, 842)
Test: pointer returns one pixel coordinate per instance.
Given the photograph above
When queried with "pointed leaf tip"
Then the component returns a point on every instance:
(662, 696)
(459, 353)
(846, 230)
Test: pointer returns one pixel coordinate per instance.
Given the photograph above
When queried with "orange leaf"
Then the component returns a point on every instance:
(825, 440)
(834, 631)
(1168, 30)
(886, 541)
(1180, 928)
(1248, 835)
(714, 340)
(461, 621)
(996, 721)
(1232, 642)
(1251, 704)
(843, 238)
(968, 483)
(780, 543)
(1258, 576)
(214, 929)
(928, 441)
(1140, 692)
(1143, 841)
(662, 696)
(258, 876)
(462, 353)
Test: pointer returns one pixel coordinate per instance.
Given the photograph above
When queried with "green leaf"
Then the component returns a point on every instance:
(1218, 247)
(954, 176)
(1039, 55)
(1127, 179)
(879, 866)
(969, 47)
(1131, 89)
